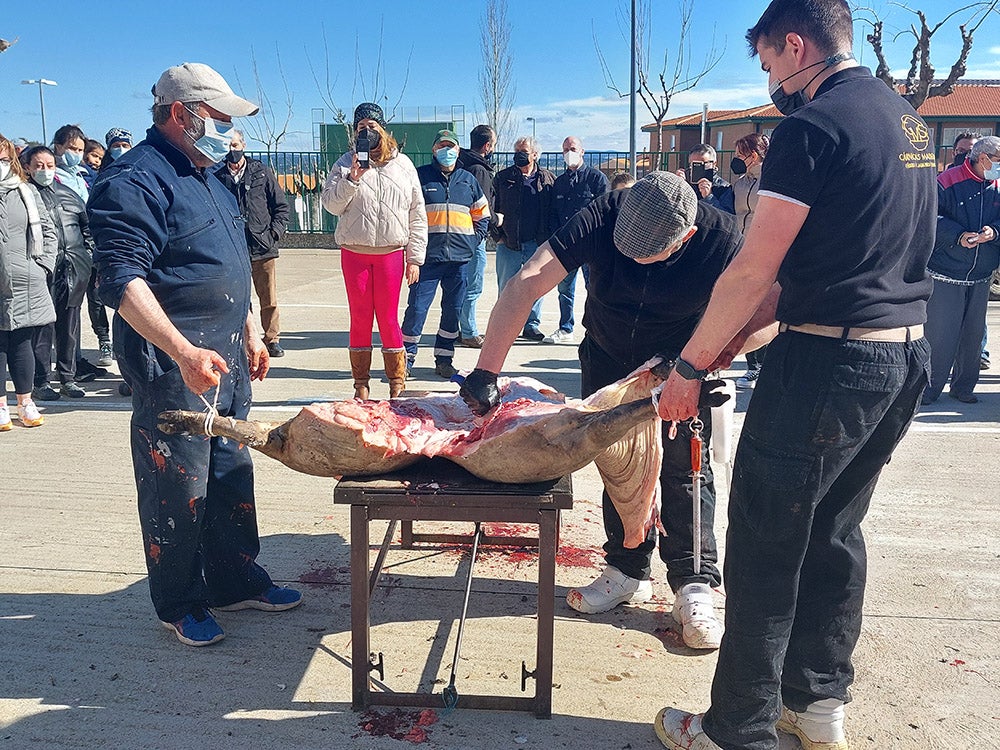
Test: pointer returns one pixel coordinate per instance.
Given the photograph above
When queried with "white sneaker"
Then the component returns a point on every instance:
(559, 336)
(819, 727)
(608, 591)
(694, 612)
(680, 730)
(29, 415)
(4, 418)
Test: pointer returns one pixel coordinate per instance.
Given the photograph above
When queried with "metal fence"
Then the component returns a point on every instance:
(301, 174)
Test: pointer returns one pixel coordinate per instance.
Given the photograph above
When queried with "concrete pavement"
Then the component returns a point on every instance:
(85, 664)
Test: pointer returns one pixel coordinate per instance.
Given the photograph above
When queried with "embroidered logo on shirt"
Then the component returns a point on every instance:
(916, 132)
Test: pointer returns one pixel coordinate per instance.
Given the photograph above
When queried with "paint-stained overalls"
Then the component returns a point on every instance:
(155, 216)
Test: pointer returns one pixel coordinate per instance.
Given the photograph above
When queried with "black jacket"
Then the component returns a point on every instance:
(508, 193)
(76, 247)
(262, 203)
(483, 171)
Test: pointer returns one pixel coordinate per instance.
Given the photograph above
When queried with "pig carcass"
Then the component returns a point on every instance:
(534, 434)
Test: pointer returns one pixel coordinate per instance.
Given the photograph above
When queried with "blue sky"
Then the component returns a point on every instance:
(106, 67)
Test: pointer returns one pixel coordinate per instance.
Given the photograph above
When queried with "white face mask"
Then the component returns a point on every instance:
(214, 139)
(573, 159)
(4, 170)
(44, 177)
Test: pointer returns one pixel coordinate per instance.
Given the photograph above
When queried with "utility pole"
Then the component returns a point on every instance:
(41, 101)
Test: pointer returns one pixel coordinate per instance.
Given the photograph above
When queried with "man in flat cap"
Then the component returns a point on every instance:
(172, 260)
(654, 253)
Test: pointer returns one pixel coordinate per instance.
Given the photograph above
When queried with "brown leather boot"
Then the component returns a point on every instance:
(361, 365)
(395, 370)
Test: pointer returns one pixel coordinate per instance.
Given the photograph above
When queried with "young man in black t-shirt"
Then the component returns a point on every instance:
(844, 225)
(654, 253)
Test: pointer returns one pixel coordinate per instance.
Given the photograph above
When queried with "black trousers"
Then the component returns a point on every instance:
(97, 312)
(65, 335)
(16, 353)
(599, 369)
(824, 419)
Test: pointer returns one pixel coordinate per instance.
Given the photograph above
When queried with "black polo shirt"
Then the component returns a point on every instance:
(634, 311)
(863, 161)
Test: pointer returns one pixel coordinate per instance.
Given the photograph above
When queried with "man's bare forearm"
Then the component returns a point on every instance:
(141, 310)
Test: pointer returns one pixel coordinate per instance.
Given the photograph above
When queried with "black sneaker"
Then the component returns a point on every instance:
(274, 349)
(72, 390)
(124, 389)
(532, 334)
(86, 372)
(44, 393)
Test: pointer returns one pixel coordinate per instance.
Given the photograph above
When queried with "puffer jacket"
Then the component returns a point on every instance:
(965, 204)
(76, 247)
(381, 212)
(24, 291)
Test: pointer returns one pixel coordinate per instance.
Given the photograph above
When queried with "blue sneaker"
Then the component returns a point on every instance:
(275, 599)
(194, 632)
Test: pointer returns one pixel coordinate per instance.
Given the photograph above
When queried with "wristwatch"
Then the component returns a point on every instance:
(687, 371)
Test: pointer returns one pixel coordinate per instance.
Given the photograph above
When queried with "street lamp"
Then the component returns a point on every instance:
(41, 99)
(532, 121)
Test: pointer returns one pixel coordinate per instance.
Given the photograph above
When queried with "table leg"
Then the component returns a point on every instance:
(360, 602)
(547, 531)
(406, 533)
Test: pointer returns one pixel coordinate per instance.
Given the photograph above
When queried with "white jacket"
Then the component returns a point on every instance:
(382, 211)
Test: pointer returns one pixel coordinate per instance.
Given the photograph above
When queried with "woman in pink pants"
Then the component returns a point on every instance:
(382, 232)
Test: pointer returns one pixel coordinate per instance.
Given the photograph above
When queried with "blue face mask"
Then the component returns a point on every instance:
(117, 151)
(214, 141)
(70, 159)
(993, 173)
(447, 157)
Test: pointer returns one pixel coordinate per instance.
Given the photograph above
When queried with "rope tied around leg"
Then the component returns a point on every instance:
(212, 411)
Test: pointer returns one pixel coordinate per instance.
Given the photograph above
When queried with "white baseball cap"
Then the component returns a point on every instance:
(197, 82)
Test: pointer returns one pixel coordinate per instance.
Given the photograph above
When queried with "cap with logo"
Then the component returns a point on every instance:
(446, 136)
(655, 214)
(197, 82)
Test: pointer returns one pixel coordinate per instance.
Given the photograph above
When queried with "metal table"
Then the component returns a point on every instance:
(439, 490)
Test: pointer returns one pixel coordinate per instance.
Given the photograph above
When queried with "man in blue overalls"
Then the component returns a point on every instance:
(172, 260)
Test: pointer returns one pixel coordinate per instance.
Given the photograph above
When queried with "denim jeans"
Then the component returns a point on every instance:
(451, 276)
(825, 417)
(475, 273)
(509, 262)
(598, 369)
(567, 295)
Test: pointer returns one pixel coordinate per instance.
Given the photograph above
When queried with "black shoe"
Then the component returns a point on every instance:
(44, 393)
(965, 398)
(72, 390)
(532, 334)
(445, 370)
(124, 389)
(85, 371)
(274, 349)
(984, 363)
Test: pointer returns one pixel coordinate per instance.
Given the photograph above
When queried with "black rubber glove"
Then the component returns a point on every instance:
(480, 391)
(711, 393)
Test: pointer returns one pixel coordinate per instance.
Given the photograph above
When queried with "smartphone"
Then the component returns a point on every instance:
(699, 171)
(361, 148)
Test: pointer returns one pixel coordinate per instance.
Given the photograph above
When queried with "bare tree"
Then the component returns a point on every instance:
(271, 125)
(658, 89)
(919, 84)
(496, 82)
(326, 88)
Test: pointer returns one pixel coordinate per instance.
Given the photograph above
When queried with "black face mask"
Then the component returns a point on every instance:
(788, 103)
(521, 159)
(374, 139)
(234, 156)
(960, 156)
(738, 165)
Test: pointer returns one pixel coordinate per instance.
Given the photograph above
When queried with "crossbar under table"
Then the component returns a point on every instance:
(439, 490)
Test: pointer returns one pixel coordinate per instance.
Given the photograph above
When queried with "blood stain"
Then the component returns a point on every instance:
(408, 726)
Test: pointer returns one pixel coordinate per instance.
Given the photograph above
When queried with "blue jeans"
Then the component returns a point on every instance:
(451, 276)
(567, 295)
(509, 262)
(597, 370)
(475, 273)
(825, 418)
